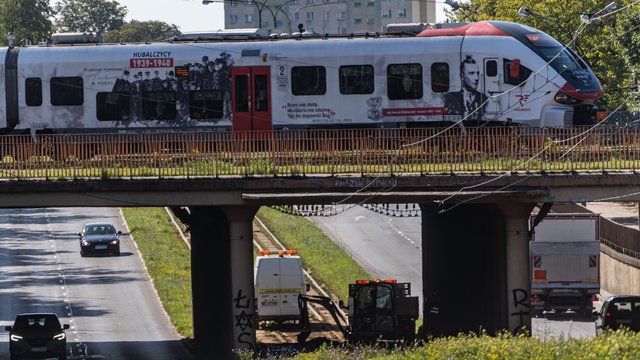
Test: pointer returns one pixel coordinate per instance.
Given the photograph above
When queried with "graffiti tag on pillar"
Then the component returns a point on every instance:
(247, 341)
(520, 297)
(244, 320)
(242, 302)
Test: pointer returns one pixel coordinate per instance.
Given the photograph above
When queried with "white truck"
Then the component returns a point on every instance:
(564, 254)
(278, 281)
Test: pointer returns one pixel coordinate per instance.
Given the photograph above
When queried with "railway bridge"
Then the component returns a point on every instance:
(475, 234)
(476, 190)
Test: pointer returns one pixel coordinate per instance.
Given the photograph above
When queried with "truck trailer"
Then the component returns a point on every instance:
(564, 254)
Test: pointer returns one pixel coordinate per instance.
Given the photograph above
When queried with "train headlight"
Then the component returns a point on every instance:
(565, 99)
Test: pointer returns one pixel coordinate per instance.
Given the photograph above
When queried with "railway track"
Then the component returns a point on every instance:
(271, 334)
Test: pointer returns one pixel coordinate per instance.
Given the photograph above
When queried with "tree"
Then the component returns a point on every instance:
(90, 15)
(26, 19)
(596, 44)
(142, 31)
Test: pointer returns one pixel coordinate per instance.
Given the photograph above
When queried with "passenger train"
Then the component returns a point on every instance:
(516, 74)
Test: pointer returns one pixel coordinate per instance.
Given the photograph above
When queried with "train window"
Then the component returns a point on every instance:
(159, 105)
(242, 93)
(525, 72)
(356, 79)
(33, 91)
(308, 80)
(113, 106)
(404, 81)
(66, 91)
(440, 77)
(260, 89)
(491, 68)
(205, 104)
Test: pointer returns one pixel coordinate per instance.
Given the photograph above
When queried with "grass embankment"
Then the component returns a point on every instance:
(168, 261)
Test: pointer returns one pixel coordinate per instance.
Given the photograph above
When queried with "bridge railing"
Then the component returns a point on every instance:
(360, 151)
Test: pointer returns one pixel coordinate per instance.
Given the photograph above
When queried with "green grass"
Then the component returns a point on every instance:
(168, 261)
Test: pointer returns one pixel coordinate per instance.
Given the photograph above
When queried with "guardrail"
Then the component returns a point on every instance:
(363, 151)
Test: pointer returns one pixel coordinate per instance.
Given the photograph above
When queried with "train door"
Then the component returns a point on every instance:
(251, 98)
(492, 76)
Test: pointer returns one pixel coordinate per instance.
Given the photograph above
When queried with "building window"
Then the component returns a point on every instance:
(386, 14)
(402, 13)
(233, 18)
(113, 106)
(404, 81)
(371, 21)
(326, 15)
(371, 3)
(309, 16)
(356, 79)
(248, 19)
(440, 77)
(309, 2)
(357, 21)
(357, 4)
(33, 91)
(342, 15)
(67, 91)
(308, 80)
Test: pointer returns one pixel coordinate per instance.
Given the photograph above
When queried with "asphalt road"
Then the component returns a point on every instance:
(109, 302)
(391, 247)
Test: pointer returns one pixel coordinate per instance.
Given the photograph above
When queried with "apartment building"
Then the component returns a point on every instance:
(326, 16)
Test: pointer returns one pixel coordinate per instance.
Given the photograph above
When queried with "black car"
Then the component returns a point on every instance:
(619, 311)
(97, 238)
(37, 335)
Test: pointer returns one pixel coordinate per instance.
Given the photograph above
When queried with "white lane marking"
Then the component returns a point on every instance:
(358, 218)
(64, 287)
(390, 223)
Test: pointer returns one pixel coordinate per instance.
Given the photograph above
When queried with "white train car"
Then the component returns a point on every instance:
(496, 72)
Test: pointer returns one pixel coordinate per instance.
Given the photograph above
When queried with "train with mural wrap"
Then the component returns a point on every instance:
(466, 74)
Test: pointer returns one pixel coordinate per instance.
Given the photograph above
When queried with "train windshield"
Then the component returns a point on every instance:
(558, 56)
(561, 58)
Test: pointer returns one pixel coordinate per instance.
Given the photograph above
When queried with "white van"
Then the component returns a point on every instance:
(278, 280)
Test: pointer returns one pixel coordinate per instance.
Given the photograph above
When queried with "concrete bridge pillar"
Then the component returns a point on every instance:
(242, 291)
(210, 280)
(518, 283)
(463, 269)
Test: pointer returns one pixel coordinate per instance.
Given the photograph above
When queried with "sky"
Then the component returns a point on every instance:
(189, 15)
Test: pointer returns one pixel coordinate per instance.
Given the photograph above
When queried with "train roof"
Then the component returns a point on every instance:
(262, 34)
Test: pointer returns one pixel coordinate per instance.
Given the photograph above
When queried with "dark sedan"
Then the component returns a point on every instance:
(619, 311)
(37, 335)
(99, 238)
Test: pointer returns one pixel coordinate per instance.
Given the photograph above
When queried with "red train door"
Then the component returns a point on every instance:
(251, 97)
